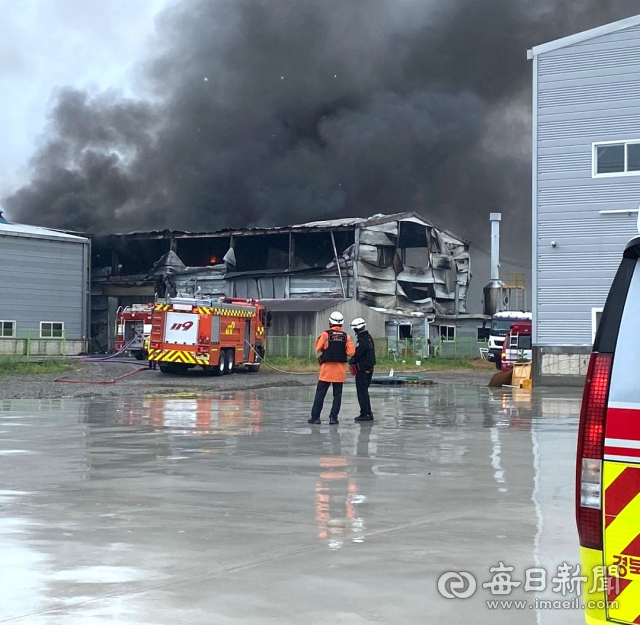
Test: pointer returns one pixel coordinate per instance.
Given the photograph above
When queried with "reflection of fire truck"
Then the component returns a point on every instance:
(217, 335)
(133, 326)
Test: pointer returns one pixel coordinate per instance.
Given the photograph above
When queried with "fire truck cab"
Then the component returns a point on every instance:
(215, 334)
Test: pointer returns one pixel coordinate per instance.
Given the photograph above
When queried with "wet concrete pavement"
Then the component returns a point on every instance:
(230, 509)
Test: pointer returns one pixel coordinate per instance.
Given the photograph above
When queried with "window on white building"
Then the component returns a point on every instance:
(51, 329)
(7, 329)
(405, 331)
(616, 158)
(596, 315)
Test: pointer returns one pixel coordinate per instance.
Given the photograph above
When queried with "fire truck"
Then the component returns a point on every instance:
(215, 334)
(516, 346)
(133, 326)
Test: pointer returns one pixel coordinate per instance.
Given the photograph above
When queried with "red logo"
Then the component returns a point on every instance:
(187, 325)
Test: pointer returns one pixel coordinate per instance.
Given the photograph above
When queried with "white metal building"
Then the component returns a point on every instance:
(586, 186)
(44, 291)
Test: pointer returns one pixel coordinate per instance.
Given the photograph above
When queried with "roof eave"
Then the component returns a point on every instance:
(583, 36)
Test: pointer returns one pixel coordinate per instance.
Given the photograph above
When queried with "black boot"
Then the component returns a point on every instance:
(361, 418)
(314, 421)
(333, 421)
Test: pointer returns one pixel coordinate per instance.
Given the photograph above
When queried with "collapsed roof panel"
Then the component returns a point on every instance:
(366, 270)
(371, 285)
(369, 236)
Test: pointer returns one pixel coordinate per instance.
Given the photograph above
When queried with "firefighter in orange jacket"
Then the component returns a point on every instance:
(335, 348)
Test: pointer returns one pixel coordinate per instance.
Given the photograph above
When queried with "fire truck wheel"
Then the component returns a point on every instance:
(138, 354)
(228, 359)
(220, 368)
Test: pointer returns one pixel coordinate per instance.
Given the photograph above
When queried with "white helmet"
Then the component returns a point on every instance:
(336, 318)
(358, 324)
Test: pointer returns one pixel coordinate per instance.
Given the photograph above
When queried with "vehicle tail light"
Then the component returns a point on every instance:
(155, 345)
(590, 451)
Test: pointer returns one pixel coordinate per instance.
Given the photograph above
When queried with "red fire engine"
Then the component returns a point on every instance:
(217, 335)
(133, 326)
(516, 346)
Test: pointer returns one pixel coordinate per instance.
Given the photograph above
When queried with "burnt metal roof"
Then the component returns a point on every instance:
(349, 223)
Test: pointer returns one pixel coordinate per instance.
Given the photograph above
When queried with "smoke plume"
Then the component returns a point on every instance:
(269, 112)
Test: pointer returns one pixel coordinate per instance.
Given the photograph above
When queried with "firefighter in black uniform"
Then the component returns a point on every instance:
(362, 365)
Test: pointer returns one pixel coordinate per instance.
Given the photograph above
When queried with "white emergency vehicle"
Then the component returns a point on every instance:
(608, 457)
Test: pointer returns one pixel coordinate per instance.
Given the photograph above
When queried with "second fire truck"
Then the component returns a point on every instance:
(133, 327)
(217, 335)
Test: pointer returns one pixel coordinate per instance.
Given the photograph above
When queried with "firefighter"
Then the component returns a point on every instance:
(147, 344)
(362, 364)
(335, 348)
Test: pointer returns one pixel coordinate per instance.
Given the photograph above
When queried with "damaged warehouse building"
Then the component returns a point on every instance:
(408, 278)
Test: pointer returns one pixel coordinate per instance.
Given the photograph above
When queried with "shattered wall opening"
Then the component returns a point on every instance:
(410, 265)
(315, 249)
(101, 252)
(253, 253)
(202, 251)
(136, 256)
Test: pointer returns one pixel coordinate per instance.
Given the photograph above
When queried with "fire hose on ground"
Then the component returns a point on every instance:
(262, 360)
(102, 382)
(109, 358)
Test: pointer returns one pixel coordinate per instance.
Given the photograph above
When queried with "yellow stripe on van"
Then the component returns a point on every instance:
(621, 519)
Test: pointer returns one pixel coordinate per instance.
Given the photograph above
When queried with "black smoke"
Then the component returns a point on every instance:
(269, 112)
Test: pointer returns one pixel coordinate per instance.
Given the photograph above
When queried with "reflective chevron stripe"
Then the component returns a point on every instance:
(233, 312)
(177, 355)
(621, 484)
(207, 310)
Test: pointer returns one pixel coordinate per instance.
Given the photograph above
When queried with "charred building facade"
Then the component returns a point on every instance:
(395, 264)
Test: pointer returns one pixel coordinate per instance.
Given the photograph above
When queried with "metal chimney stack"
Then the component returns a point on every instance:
(495, 218)
(493, 290)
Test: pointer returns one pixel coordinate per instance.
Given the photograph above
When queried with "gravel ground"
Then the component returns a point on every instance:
(90, 378)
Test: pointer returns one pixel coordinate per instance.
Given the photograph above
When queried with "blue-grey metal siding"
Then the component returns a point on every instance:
(43, 280)
(584, 93)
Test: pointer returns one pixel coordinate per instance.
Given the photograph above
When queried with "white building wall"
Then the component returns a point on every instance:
(583, 93)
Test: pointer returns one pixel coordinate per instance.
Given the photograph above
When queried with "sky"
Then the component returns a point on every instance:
(49, 44)
(205, 114)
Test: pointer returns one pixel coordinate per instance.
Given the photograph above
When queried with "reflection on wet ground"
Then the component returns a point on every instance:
(232, 509)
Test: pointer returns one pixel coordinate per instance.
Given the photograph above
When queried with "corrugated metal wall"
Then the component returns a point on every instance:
(292, 324)
(42, 280)
(352, 309)
(588, 92)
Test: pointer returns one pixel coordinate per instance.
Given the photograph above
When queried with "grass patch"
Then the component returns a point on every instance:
(300, 365)
(14, 366)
